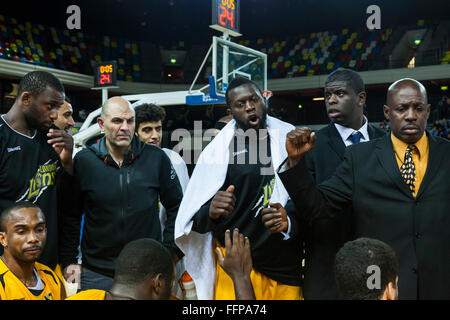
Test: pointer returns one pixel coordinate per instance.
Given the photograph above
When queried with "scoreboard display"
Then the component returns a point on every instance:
(105, 74)
(225, 16)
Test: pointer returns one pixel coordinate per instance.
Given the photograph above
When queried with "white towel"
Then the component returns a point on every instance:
(207, 178)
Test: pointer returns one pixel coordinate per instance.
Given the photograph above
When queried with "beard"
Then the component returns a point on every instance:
(33, 123)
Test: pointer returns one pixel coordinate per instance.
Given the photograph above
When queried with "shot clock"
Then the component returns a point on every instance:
(225, 16)
(105, 74)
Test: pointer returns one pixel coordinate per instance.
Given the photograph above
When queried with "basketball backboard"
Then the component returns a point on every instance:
(232, 60)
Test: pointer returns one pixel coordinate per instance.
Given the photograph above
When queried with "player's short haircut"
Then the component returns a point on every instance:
(149, 112)
(351, 268)
(350, 77)
(140, 259)
(36, 82)
(17, 206)
(237, 82)
(67, 99)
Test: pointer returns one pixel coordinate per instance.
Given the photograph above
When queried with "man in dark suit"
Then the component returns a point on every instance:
(345, 98)
(398, 187)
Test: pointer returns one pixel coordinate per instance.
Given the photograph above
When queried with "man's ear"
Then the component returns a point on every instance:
(3, 240)
(386, 112)
(390, 292)
(101, 123)
(26, 98)
(362, 98)
(158, 283)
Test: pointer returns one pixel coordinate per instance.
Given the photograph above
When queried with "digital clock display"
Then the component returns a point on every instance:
(105, 74)
(225, 16)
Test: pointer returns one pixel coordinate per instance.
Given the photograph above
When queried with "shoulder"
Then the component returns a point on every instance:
(277, 124)
(4, 133)
(366, 148)
(46, 272)
(155, 153)
(327, 131)
(375, 131)
(85, 152)
(174, 157)
(92, 294)
(441, 143)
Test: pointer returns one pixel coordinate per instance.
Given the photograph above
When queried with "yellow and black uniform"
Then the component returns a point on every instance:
(29, 171)
(92, 294)
(11, 288)
(276, 262)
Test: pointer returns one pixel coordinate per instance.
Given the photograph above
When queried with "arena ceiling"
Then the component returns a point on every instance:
(160, 20)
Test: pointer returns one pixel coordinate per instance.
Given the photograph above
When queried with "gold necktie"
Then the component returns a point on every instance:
(408, 169)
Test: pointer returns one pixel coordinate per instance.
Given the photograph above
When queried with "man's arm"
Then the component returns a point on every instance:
(313, 201)
(170, 195)
(70, 207)
(237, 263)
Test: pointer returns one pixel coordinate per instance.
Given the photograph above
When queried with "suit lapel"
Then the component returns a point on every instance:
(386, 156)
(335, 141)
(434, 163)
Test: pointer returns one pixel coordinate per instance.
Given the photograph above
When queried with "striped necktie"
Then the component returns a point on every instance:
(408, 169)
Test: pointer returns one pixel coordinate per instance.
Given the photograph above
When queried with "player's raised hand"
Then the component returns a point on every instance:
(223, 203)
(298, 143)
(237, 262)
(62, 143)
(275, 218)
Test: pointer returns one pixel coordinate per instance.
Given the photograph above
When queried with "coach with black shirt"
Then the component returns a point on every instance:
(119, 182)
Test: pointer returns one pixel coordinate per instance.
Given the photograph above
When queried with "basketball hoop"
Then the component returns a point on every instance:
(267, 94)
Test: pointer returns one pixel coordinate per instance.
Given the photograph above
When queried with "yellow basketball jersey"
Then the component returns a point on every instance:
(92, 294)
(11, 288)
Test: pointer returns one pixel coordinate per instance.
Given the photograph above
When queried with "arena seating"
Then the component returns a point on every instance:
(321, 52)
(67, 50)
(290, 56)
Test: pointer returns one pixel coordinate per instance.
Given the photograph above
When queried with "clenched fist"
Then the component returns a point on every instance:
(222, 203)
(275, 218)
(298, 143)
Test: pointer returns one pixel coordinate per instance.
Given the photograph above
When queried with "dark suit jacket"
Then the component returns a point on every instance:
(418, 229)
(323, 238)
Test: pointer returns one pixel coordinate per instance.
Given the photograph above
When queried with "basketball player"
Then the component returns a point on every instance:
(34, 155)
(23, 235)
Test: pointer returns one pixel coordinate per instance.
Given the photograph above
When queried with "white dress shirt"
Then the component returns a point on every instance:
(345, 132)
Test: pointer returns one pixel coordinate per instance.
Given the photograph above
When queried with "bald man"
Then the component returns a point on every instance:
(118, 183)
(398, 186)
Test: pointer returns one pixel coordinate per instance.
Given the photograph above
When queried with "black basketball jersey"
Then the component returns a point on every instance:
(28, 172)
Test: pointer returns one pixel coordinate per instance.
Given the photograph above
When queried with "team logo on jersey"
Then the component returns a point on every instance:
(14, 149)
(264, 200)
(173, 173)
(44, 178)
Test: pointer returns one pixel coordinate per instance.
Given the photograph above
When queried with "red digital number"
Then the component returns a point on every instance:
(229, 15)
(105, 78)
